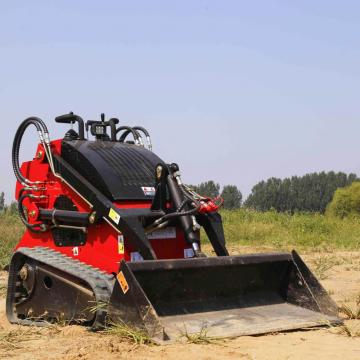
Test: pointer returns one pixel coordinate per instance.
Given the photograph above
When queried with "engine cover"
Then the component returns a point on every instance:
(120, 171)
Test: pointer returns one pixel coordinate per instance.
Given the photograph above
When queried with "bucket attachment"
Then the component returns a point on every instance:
(227, 296)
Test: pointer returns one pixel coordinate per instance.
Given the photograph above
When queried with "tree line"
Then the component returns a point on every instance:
(12, 208)
(231, 195)
(311, 193)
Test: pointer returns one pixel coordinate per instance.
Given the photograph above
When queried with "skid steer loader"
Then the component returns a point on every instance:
(113, 235)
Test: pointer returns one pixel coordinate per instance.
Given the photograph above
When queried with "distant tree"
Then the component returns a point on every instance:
(232, 197)
(12, 208)
(311, 192)
(207, 188)
(2, 201)
(346, 201)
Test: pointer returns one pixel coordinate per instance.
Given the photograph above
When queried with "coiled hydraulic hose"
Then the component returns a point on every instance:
(129, 130)
(138, 128)
(16, 147)
(29, 185)
(43, 133)
(147, 135)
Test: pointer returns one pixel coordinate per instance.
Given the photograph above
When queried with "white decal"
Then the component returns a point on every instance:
(149, 191)
(75, 251)
(121, 245)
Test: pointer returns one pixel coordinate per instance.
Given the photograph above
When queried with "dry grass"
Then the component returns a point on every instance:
(323, 265)
(128, 333)
(200, 338)
(16, 339)
(101, 305)
(3, 290)
(351, 312)
(352, 331)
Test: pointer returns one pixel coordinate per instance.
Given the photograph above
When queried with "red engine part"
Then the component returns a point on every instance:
(209, 205)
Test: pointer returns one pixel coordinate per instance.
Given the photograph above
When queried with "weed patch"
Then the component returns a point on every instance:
(128, 333)
(323, 265)
(200, 338)
(349, 331)
(15, 339)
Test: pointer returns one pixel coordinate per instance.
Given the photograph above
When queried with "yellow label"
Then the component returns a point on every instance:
(114, 216)
(123, 283)
(121, 246)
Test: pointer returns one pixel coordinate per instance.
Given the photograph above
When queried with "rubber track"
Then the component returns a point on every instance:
(99, 281)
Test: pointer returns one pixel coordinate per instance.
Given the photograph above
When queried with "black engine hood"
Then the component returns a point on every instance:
(120, 171)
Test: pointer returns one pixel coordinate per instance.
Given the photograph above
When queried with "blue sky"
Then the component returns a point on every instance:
(234, 91)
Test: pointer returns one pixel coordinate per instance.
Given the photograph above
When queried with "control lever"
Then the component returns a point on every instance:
(71, 118)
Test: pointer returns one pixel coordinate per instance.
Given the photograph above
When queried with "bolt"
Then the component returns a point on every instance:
(92, 217)
(32, 213)
(159, 170)
(39, 155)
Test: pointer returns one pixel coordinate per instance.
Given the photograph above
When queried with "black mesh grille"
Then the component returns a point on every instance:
(118, 170)
(82, 164)
(128, 163)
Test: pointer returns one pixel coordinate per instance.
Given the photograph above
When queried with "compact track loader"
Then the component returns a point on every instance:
(113, 235)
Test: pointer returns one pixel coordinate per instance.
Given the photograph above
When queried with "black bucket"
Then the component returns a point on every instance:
(227, 296)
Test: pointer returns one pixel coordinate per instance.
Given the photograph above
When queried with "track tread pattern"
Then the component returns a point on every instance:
(99, 281)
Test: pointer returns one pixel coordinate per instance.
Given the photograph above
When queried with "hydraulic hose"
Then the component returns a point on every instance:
(37, 228)
(147, 135)
(178, 214)
(138, 128)
(43, 133)
(129, 130)
(17, 142)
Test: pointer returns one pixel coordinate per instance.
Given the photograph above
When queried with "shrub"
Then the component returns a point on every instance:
(346, 201)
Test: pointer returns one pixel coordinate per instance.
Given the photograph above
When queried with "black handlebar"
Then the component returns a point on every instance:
(71, 118)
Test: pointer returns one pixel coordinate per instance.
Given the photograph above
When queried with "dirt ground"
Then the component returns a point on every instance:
(339, 273)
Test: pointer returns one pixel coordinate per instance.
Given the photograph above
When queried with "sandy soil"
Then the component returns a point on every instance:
(340, 274)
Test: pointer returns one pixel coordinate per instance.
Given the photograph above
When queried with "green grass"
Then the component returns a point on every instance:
(11, 231)
(305, 232)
